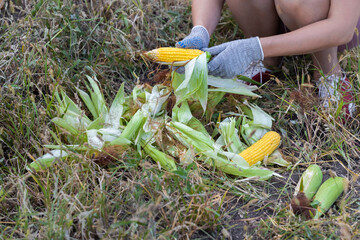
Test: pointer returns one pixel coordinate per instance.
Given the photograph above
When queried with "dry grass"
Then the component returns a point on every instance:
(55, 43)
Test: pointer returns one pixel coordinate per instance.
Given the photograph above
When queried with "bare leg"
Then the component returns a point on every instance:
(256, 18)
(299, 13)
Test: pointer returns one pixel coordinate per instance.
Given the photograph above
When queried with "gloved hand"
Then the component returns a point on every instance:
(233, 58)
(198, 38)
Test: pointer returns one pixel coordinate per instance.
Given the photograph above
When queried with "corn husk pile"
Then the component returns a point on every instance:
(172, 138)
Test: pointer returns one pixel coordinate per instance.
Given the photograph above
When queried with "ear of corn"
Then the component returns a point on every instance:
(310, 181)
(262, 148)
(327, 194)
(173, 56)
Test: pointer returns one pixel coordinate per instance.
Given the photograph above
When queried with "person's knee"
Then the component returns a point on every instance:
(302, 12)
(288, 6)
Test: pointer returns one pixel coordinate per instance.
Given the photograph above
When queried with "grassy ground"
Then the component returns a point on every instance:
(56, 43)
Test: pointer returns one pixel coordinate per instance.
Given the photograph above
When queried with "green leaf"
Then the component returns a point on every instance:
(46, 160)
(88, 102)
(165, 160)
(182, 114)
(120, 141)
(277, 158)
(68, 147)
(202, 93)
(223, 164)
(310, 181)
(194, 83)
(66, 104)
(231, 86)
(191, 137)
(112, 119)
(230, 136)
(328, 193)
(134, 127)
(97, 97)
(260, 123)
(64, 124)
(196, 124)
(156, 100)
(97, 123)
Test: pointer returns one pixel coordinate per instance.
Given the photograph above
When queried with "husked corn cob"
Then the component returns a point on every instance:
(172, 54)
(264, 147)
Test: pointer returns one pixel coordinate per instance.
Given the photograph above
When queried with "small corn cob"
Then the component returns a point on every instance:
(263, 147)
(172, 55)
(328, 193)
(310, 181)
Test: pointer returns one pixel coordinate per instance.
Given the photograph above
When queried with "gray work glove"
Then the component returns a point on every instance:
(198, 38)
(233, 58)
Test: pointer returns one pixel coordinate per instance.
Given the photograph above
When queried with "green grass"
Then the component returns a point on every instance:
(53, 44)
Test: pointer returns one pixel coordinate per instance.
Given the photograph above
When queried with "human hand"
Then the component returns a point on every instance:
(232, 58)
(198, 38)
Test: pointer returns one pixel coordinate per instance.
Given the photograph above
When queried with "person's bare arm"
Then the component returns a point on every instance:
(336, 30)
(207, 13)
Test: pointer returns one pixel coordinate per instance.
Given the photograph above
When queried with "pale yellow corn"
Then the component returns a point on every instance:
(262, 148)
(172, 54)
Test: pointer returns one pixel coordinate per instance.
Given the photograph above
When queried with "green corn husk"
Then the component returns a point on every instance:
(120, 141)
(256, 123)
(112, 119)
(134, 126)
(310, 181)
(165, 160)
(237, 167)
(193, 84)
(276, 158)
(66, 104)
(230, 163)
(88, 102)
(327, 194)
(97, 97)
(230, 136)
(156, 100)
(46, 160)
(190, 137)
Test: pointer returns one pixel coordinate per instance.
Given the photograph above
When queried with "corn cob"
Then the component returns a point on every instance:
(310, 181)
(328, 193)
(263, 147)
(306, 188)
(169, 55)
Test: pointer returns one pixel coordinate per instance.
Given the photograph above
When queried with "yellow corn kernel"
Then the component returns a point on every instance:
(172, 54)
(263, 147)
